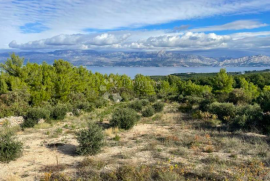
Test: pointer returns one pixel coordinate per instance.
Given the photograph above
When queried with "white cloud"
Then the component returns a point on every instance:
(72, 41)
(189, 41)
(72, 17)
(236, 25)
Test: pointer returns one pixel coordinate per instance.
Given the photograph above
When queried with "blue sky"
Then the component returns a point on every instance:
(136, 25)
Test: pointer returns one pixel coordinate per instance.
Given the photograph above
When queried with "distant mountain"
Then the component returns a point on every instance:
(251, 61)
(139, 59)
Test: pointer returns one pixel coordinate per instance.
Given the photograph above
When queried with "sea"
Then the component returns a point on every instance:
(151, 71)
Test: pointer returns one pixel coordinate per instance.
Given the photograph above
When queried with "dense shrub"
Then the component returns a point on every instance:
(224, 111)
(185, 107)
(152, 98)
(239, 96)
(124, 118)
(126, 95)
(148, 112)
(101, 103)
(136, 105)
(90, 140)
(59, 112)
(86, 106)
(204, 105)
(264, 100)
(265, 123)
(193, 99)
(10, 149)
(248, 116)
(158, 106)
(33, 115)
(144, 102)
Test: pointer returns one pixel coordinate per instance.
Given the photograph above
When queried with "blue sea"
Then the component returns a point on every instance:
(132, 71)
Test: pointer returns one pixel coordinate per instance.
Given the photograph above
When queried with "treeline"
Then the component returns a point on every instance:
(49, 91)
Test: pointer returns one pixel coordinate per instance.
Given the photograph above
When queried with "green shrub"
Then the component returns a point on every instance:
(158, 106)
(76, 112)
(144, 102)
(224, 111)
(136, 105)
(101, 103)
(59, 112)
(148, 112)
(90, 140)
(193, 100)
(264, 100)
(127, 95)
(204, 105)
(86, 106)
(152, 98)
(248, 116)
(185, 107)
(33, 115)
(124, 118)
(238, 96)
(10, 149)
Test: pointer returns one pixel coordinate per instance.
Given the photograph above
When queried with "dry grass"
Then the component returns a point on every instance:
(169, 146)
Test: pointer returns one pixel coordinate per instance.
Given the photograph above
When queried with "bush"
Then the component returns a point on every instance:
(90, 140)
(33, 115)
(185, 107)
(144, 102)
(152, 98)
(158, 106)
(148, 111)
(248, 116)
(101, 103)
(9, 148)
(204, 105)
(59, 112)
(193, 100)
(86, 106)
(136, 105)
(124, 118)
(238, 96)
(224, 111)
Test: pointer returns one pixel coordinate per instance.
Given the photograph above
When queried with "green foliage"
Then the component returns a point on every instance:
(13, 65)
(251, 90)
(59, 112)
(248, 116)
(148, 111)
(152, 98)
(224, 111)
(90, 140)
(158, 107)
(264, 100)
(101, 103)
(190, 88)
(33, 115)
(14, 103)
(223, 82)
(145, 102)
(10, 149)
(124, 118)
(185, 107)
(136, 105)
(86, 106)
(144, 85)
(239, 96)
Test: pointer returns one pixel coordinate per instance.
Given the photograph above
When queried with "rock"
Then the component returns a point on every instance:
(11, 121)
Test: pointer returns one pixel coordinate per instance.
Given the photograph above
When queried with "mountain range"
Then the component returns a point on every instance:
(140, 59)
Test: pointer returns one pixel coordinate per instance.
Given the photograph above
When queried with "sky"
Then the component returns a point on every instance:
(136, 25)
